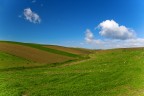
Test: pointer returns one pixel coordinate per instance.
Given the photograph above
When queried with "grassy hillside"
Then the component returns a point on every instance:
(9, 61)
(70, 50)
(33, 55)
(117, 72)
(40, 47)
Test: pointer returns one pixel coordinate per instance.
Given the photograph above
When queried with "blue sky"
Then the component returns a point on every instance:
(78, 23)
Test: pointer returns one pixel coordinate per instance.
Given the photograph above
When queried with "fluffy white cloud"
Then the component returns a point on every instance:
(89, 37)
(117, 36)
(112, 43)
(31, 16)
(111, 29)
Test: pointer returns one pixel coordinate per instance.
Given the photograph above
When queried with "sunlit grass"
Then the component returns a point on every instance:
(108, 73)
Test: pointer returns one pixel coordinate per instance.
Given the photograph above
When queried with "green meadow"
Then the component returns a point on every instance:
(115, 72)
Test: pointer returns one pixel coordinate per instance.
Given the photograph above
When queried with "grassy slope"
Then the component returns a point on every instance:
(77, 51)
(108, 73)
(33, 54)
(10, 61)
(39, 46)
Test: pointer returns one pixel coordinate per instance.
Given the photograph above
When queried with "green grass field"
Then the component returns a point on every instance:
(9, 61)
(116, 72)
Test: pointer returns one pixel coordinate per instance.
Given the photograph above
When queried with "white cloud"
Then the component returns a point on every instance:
(136, 42)
(111, 29)
(116, 36)
(31, 16)
(89, 37)
(112, 43)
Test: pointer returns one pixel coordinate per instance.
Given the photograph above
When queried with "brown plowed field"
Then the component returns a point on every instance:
(69, 50)
(32, 54)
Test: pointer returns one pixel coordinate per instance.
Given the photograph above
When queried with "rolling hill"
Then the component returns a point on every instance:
(34, 54)
(115, 72)
(78, 51)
